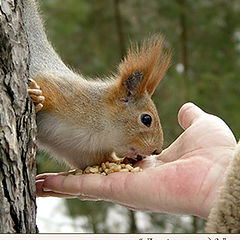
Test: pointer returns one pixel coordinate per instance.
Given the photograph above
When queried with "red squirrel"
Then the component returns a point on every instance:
(86, 122)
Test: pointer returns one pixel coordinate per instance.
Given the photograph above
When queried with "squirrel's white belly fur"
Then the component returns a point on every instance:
(77, 145)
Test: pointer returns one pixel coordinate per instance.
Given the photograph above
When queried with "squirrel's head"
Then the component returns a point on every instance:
(135, 121)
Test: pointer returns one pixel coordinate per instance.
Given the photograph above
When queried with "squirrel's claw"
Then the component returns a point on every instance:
(38, 107)
(36, 94)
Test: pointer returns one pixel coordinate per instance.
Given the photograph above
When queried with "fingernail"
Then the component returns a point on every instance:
(38, 91)
(46, 190)
(41, 98)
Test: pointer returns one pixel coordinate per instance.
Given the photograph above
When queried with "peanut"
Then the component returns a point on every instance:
(124, 170)
(106, 168)
(129, 167)
(93, 170)
(136, 169)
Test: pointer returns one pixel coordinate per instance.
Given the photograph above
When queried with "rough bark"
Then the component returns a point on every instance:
(17, 125)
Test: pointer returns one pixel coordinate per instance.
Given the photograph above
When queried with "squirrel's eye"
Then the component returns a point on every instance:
(146, 120)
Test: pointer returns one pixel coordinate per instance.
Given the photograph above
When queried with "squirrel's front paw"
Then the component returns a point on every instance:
(35, 94)
(115, 158)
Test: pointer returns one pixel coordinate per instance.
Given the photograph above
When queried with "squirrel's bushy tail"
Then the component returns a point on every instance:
(42, 54)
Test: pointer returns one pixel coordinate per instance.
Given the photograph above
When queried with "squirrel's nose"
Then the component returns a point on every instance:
(156, 152)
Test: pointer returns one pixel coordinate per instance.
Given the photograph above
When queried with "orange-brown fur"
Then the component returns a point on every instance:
(84, 122)
(150, 59)
(51, 92)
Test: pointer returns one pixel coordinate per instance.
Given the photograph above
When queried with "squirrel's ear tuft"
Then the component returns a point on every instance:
(144, 67)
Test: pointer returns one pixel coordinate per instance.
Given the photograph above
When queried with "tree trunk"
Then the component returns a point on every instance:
(132, 222)
(17, 126)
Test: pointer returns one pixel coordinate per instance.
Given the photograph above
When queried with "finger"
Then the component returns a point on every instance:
(41, 193)
(45, 175)
(37, 92)
(92, 186)
(37, 99)
(53, 194)
(73, 185)
(38, 107)
(33, 84)
(188, 114)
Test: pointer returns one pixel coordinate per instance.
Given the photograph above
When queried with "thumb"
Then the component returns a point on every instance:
(188, 114)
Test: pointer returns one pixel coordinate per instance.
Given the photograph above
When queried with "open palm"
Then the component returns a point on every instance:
(184, 178)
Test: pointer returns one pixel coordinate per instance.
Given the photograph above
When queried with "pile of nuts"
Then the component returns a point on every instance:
(107, 168)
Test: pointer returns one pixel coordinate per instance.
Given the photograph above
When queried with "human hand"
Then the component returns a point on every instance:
(184, 178)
